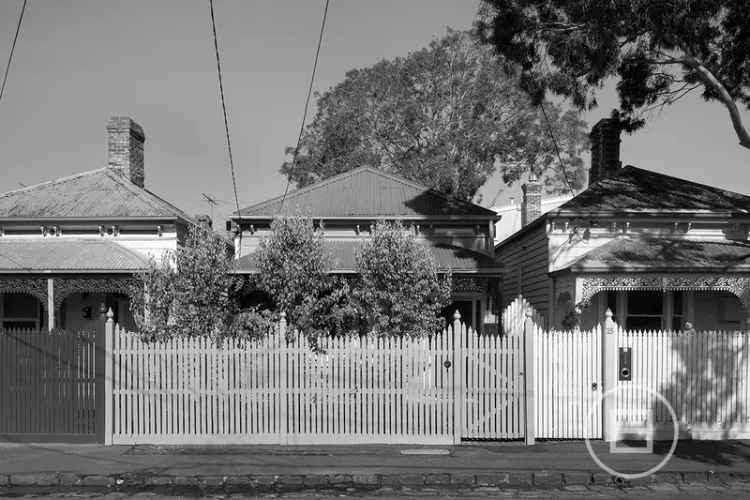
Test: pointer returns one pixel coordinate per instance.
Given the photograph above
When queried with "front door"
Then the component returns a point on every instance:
(469, 310)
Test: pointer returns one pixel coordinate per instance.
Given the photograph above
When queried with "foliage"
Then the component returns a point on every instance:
(659, 51)
(446, 116)
(293, 268)
(189, 292)
(399, 289)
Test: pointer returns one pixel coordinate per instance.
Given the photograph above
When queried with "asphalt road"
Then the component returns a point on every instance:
(665, 491)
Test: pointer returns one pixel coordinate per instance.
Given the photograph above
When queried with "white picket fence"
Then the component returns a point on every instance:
(525, 383)
(363, 390)
(704, 376)
(568, 383)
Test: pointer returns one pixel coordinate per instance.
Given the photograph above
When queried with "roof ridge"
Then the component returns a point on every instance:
(138, 190)
(364, 168)
(54, 181)
(682, 179)
(305, 189)
(433, 191)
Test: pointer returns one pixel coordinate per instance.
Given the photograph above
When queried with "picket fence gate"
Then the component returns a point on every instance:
(48, 385)
(434, 390)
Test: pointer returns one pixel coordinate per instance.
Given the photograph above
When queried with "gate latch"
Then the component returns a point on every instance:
(447, 363)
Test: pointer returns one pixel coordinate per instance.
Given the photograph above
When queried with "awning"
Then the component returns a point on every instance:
(652, 254)
(457, 259)
(67, 255)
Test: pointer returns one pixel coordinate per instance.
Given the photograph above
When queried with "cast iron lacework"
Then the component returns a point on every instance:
(67, 286)
(737, 284)
(469, 284)
(36, 287)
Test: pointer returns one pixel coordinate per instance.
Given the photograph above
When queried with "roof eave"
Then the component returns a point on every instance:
(629, 268)
(71, 271)
(697, 214)
(154, 218)
(488, 217)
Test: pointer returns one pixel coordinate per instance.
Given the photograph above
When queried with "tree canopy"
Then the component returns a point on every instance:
(398, 287)
(447, 116)
(189, 292)
(658, 51)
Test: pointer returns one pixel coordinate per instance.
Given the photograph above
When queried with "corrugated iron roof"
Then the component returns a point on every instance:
(457, 259)
(103, 193)
(67, 255)
(636, 189)
(366, 192)
(665, 254)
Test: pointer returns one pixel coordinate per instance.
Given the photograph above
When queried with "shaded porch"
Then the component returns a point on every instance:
(72, 303)
(651, 301)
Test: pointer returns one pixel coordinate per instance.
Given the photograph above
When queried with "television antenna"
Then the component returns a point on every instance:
(212, 202)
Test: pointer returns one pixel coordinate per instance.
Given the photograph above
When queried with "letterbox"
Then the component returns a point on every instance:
(626, 361)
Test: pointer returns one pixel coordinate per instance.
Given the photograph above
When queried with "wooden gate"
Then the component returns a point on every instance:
(568, 383)
(493, 402)
(47, 386)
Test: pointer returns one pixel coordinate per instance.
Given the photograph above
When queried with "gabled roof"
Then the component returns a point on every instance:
(366, 192)
(664, 254)
(446, 257)
(634, 190)
(62, 254)
(101, 193)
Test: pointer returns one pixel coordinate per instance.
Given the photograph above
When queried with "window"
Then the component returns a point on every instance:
(20, 310)
(677, 310)
(645, 310)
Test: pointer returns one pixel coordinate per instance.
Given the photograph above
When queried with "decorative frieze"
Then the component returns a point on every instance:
(67, 286)
(36, 287)
(589, 285)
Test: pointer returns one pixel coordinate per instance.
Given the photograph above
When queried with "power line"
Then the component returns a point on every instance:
(226, 121)
(307, 100)
(557, 148)
(12, 49)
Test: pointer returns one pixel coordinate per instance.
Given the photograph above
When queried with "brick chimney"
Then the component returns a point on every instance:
(125, 140)
(605, 149)
(531, 205)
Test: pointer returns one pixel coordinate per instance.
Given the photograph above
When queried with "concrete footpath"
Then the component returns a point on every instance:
(554, 465)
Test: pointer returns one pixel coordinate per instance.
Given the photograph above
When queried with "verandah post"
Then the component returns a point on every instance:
(609, 377)
(109, 334)
(458, 378)
(283, 367)
(529, 332)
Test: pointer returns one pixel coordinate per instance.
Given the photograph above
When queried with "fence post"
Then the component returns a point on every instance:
(458, 378)
(609, 377)
(109, 334)
(283, 366)
(529, 332)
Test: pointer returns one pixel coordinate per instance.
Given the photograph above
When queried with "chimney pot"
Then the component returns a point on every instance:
(125, 139)
(605, 149)
(531, 204)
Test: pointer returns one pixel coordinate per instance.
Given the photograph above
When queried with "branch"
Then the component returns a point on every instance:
(710, 81)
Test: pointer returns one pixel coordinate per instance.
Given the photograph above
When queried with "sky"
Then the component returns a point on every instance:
(78, 62)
